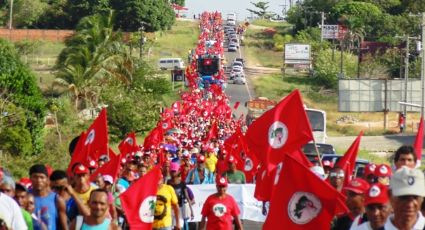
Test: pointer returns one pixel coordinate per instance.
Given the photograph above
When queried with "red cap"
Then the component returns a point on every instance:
(358, 186)
(369, 169)
(25, 181)
(49, 170)
(200, 159)
(327, 163)
(93, 164)
(81, 169)
(221, 181)
(377, 194)
(383, 170)
(232, 160)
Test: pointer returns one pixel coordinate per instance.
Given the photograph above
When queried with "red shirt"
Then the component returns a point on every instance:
(220, 212)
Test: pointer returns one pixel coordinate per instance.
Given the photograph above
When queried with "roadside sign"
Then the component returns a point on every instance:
(297, 53)
(330, 31)
(177, 75)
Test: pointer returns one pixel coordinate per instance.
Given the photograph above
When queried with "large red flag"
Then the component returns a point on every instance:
(138, 201)
(212, 132)
(283, 129)
(110, 168)
(308, 203)
(78, 156)
(96, 142)
(129, 145)
(154, 138)
(419, 141)
(348, 161)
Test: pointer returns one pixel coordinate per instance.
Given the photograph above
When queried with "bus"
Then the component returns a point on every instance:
(317, 118)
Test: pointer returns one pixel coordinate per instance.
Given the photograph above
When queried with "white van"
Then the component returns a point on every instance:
(170, 63)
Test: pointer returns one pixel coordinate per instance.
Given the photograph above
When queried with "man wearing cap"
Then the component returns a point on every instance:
(369, 173)
(233, 175)
(378, 208)
(220, 209)
(407, 192)
(405, 156)
(49, 207)
(81, 183)
(74, 205)
(327, 166)
(200, 175)
(383, 173)
(355, 192)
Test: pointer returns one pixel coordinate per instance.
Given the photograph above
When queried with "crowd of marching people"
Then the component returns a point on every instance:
(197, 141)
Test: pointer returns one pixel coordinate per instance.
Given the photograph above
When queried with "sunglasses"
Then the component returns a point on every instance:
(334, 174)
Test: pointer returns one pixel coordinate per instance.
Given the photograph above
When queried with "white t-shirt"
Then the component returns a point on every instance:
(11, 214)
(419, 225)
(364, 226)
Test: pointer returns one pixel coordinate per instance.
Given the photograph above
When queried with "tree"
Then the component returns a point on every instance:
(261, 8)
(154, 15)
(178, 2)
(93, 57)
(22, 95)
(27, 12)
(130, 110)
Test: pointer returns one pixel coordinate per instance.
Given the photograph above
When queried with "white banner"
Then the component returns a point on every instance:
(243, 194)
(297, 53)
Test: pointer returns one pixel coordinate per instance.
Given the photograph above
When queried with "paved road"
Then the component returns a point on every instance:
(387, 143)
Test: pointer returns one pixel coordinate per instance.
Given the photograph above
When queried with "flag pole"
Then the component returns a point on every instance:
(317, 152)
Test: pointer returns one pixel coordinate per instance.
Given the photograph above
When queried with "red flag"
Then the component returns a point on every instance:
(300, 157)
(236, 105)
(348, 161)
(78, 156)
(110, 168)
(154, 138)
(138, 201)
(308, 203)
(266, 181)
(96, 142)
(283, 129)
(212, 133)
(419, 141)
(129, 145)
(92, 143)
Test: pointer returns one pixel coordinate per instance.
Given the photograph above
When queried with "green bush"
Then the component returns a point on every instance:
(326, 70)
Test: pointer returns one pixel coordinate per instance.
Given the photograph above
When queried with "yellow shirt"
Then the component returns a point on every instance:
(210, 162)
(164, 198)
(85, 196)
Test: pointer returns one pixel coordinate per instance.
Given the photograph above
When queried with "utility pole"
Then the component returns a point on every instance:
(406, 75)
(10, 14)
(322, 23)
(423, 65)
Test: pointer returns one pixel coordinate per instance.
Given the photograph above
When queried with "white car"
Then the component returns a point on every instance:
(240, 80)
(236, 72)
(237, 63)
(232, 48)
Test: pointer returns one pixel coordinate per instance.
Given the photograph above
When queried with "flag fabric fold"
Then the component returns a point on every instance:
(110, 168)
(281, 130)
(419, 141)
(348, 161)
(308, 203)
(139, 200)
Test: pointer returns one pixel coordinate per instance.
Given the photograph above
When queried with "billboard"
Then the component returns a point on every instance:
(330, 31)
(297, 53)
(375, 95)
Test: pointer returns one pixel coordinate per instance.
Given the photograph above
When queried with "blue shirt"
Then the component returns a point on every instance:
(193, 177)
(46, 211)
(102, 226)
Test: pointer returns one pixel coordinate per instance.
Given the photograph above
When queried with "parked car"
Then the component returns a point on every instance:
(232, 48)
(234, 43)
(358, 169)
(241, 60)
(237, 63)
(239, 79)
(236, 72)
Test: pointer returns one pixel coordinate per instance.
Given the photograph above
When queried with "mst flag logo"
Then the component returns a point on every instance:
(90, 137)
(249, 165)
(147, 209)
(303, 207)
(129, 140)
(219, 210)
(278, 134)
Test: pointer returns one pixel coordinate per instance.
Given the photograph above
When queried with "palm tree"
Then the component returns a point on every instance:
(94, 56)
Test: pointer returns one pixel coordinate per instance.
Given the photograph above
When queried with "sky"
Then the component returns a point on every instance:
(227, 6)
